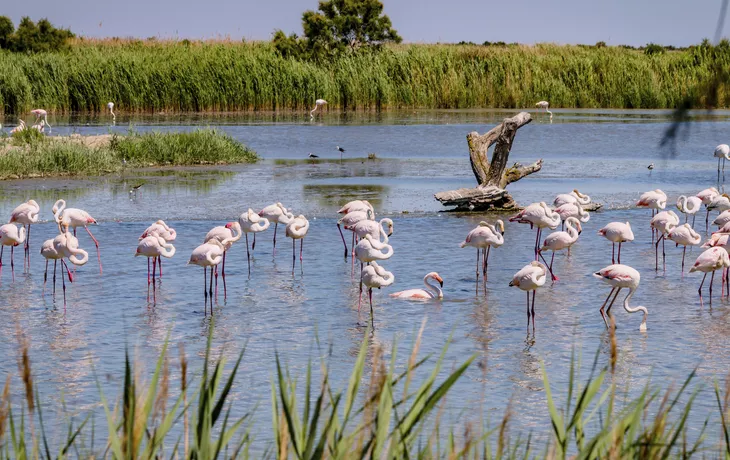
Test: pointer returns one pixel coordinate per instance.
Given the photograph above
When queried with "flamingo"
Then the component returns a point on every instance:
(531, 277)
(252, 223)
(656, 200)
(662, 223)
(10, 235)
(539, 215)
(722, 152)
(317, 105)
(689, 205)
(722, 219)
(277, 214)
(431, 292)
(26, 214)
(226, 235)
(41, 113)
(62, 246)
(110, 106)
(719, 203)
(720, 240)
(707, 195)
(40, 127)
(483, 238)
(356, 205)
(544, 105)
(686, 236)
(161, 229)
(297, 229)
(206, 255)
(617, 232)
(19, 128)
(573, 197)
(154, 247)
(349, 220)
(724, 229)
(373, 228)
(72, 217)
(375, 276)
(558, 241)
(573, 210)
(713, 259)
(621, 277)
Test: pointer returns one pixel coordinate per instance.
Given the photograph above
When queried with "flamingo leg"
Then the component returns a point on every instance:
(656, 253)
(619, 252)
(98, 253)
(486, 263)
(248, 256)
(154, 269)
(528, 311)
(253, 246)
(533, 309)
(148, 271)
(664, 254)
(216, 280)
(699, 291)
(293, 254)
(718, 169)
(353, 245)
(223, 275)
(12, 263)
(613, 253)
(210, 291)
(45, 277)
(707, 221)
(550, 269)
(537, 239)
(159, 265)
(2, 248)
(712, 279)
(276, 225)
(27, 248)
(359, 297)
(694, 216)
(478, 254)
(63, 284)
(372, 315)
(684, 251)
(55, 262)
(343, 239)
(603, 315)
(301, 249)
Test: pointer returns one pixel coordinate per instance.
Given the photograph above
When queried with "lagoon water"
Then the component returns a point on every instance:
(602, 153)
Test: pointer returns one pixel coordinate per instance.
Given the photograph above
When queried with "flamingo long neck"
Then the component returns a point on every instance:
(58, 210)
(213, 259)
(387, 276)
(236, 234)
(571, 231)
(433, 289)
(74, 256)
(682, 204)
(384, 255)
(168, 250)
(21, 235)
(311, 113)
(635, 309)
(382, 232)
(45, 121)
(581, 198)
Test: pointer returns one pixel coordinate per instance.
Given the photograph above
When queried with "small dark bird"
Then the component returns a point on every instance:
(136, 188)
(650, 167)
(341, 151)
(311, 155)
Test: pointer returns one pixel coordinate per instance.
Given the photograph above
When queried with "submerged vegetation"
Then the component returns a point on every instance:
(31, 154)
(153, 75)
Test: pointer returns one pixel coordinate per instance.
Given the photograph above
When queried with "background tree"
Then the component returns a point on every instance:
(32, 37)
(6, 31)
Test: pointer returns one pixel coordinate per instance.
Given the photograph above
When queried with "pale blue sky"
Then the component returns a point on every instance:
(633, 22)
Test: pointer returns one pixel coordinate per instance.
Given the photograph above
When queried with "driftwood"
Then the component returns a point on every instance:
(492, 176)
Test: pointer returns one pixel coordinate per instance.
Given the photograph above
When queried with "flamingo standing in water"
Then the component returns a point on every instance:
(722, 152)
(544, 105)
(483, 238)
(62, 246)
(317, 105)
(719, 203)
(154, 247)
(40, 113)
(663, 222)
(10, 235)
(621, 277)
(689, 205)
(72, 217)
(573, 210)
(722, 219)
(686, 236)
(720, 240)
(226, 235)
(540, 216)
(361, 206)
(558, 241)
(713, 259)
(277, 214)
(375, 276)
(164, 231)
(297, 229)
(206, 255)
(573, 197)
(350, 220)
(531, 277)
(707, 195)
(617, 232)
(369, 250)
(373, 228)
(656, 200)
(26, 214)
(19, 128)
(431, 292)
(252, 223)
(110, 106)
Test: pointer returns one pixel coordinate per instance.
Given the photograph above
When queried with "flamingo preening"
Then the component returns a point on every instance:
(689, 205)
(164, 231)
(531, 277)
(707, 195)
(483, 238)
(350, 220)
(617, 232)
(72, 217)
(297, 229)
(154, 247)
(621, 277)
(252, 223)
(686, 236)
(431, 292)
(277, 214)
(375, 276)
(656, 200)
(10, 235)
(225, 235)
(62, 246)
(573, 197)
(713, 259)
(663, 222)
(544, 105)
(26, 214)
(558, 241)
(540, 216)
(206, 255)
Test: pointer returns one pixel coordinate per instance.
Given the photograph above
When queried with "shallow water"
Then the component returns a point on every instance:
(604, 154)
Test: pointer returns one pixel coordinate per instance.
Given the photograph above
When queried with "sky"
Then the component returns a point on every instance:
(616, 22)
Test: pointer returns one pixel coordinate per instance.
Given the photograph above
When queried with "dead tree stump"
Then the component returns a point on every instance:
(492, 176)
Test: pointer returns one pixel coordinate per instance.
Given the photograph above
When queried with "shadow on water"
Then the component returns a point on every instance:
(319, 168)
(335, 195)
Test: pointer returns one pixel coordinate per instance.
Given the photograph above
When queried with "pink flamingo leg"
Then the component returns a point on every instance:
(533, 309)
(550, 269)
(223, 276)
(343, 240)
(98, 253)
(248, 256)
(478, 253)
(276, 225)
(45, 278)
(148, 271)
(528, 311)
(210, 291)
(613, 252)
(372, 315)
(656, 252)
(684, 251)
(216, 281)
(253, 246)
(699, 291)
(159, 264)
(2, 248)
(293, 254)
(154, 270)
(619, 252)
(12, 263)
(537, 242)
(608, 310)
(712, 279)
(301, 248)
(55, 262)
(486, 263)
(63, 284)
(27, 249)
(205, 291)
(603, 315)
(359, 297)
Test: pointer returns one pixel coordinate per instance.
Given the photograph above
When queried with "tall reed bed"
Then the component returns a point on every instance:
(227, 76)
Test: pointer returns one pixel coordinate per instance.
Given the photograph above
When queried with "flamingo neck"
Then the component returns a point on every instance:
(57, 209)
(636, 309)
(383, 233)
(571, 231)
(433, 289)
(74, 253)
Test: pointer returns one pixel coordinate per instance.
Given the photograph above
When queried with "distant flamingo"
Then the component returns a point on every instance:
(531, 277)
(573, 197)
(277, 214)
(686, 236)
(483, 238)
(154, 247)
(26, 214)
(621, 277)
(164, 231)
(206, 255)
(19, 128)
(369, 250)
(40, 113)
(720, 240)
(297, 229)
(617, 232)
(72, 217)
(689, 205)
(539, 215)
(722, 219)
(110, 106)
(226, 235)
(63, 245)
(722, 152)
(719, 203)
(373, 228)
(40, 127)
(10, 235)
(573, 210)
(709, 261)
(707, 195)
(317, 105)
(558, 241)
(356, 205)
(662, 223)
(374, 276)
(431, 292)
(544, 105)
(252, 223)
(656, 200)
(349, 220)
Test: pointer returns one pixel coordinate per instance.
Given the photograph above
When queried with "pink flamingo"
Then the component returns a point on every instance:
(707, 195)
(226, 235)
(374, 276)
(21, 127)
(373, 228)
(72, 217)
(621, 277)
(369, 250)
(720, 240)
(252, 223)
(713, 259)
(531, 277)
(656, 200)
(573, 197)
(662, 223)
(297, 229)
(40, 113)
(573, 210)
(722, 152)
(431, 292)
(722, 219)
(617, 232)
(277, 214)
(26, 214)
(558, 241)
(206, 255)
(154, 247)
(483, 238)
(62, 246)
(161, 229)
(689, 205)
(317, 105)
(686, 236)
(11, 236)
(354, 214)
(719, 203)
(540, 216)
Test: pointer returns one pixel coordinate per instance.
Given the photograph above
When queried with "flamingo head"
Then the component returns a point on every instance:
(500, 224)
(230, 224)
(437, 277)
(91, 220)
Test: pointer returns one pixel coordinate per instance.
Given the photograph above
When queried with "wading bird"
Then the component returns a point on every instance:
(722, 219)
(650, 167)
(656, 200)
(161, 229)
(707, 195)
(530, 278)
(206, 255)
(297, 229)
(62, 246)
(72, 217)
(374, 276)
(225, 235)
(558, 241)
(617, 232)
(621, 277)
(373, 228)
(341, 151)
(483, 238)
(720, 240)
(154, 247)
(663, 222)
(110, 106)
(10, 235)
(252, 223)
(19, 128)
(432, 291)
(317, 106)
(40, 113)
(544, 105)
(689, 206)
(573, 210)
(277, 214)
(540, 216)
(311, 155)
(711, 260)
(722, 152)
(686, 236)
(350, 220)
(573, 197)
(26, 214)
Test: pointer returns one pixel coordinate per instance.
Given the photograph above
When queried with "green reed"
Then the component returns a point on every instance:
(213, 76)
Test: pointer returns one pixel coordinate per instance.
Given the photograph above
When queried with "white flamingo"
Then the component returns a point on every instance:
(531, 277)
(617, 232)
(689, 206)
(621, 277)
(432, 291)
(686, 236)
(722, 152)
(573, 197)
(252, 223)
(544, 105)
(539, 215)
(374, 276)
(318, 104)
(558, 241)
(483, 238)
(663, 222)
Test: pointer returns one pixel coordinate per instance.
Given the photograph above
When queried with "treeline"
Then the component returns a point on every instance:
(31, 37)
